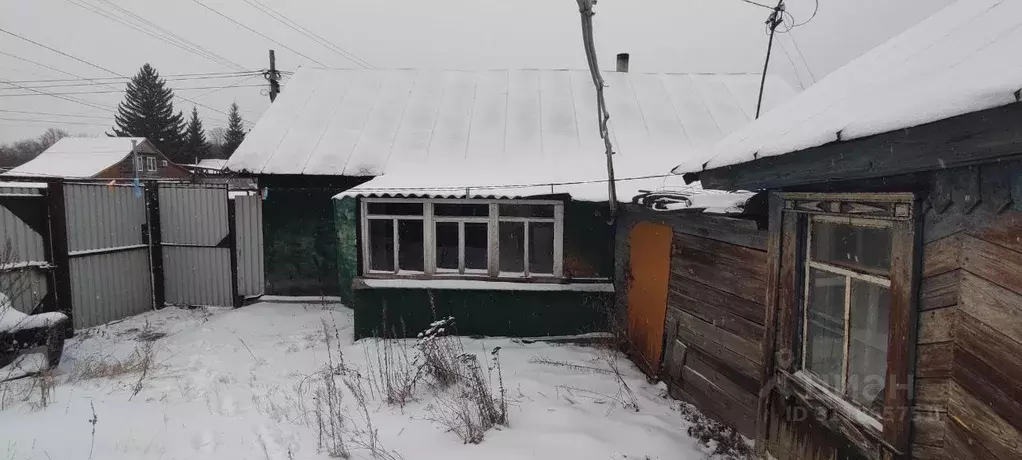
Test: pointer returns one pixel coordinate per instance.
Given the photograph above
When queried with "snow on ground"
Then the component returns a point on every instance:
(237, 384)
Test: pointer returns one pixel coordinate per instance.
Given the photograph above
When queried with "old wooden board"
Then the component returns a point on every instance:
(735, 269)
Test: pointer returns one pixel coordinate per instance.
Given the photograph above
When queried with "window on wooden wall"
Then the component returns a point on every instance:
(150, 164)
(462, 238)
(846, 305)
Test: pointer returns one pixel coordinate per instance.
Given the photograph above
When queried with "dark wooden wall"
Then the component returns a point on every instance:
(715, 311)
(969, 366)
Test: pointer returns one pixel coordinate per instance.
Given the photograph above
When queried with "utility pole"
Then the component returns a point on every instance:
(775, 19)
(273, 76)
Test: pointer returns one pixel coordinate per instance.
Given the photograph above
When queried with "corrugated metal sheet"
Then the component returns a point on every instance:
(101, 217)
(369, 122)
(248, 223)
(110, 286)
(26, 244)
(110, 272)
(193, 219)
(25, 287)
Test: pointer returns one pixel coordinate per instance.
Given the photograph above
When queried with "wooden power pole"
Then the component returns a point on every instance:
(273, 76)
(775, 19)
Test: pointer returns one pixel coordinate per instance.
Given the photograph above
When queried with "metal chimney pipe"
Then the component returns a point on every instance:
(622, 62)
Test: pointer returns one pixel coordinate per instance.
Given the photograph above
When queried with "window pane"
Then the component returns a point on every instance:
(512, 247)
(824, 346)
(541, 247)
(461, 210)
(856, 247)
(475, 246)
(381, 245)
(526, 210)
(867, 347)
(395, 209)
(447, 245)
(410, 248)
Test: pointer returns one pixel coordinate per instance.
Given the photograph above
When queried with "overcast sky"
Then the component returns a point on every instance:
(661, 35)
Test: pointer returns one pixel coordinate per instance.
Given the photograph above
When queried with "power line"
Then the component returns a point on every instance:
(153, 31)
(511, 186)
(69, 99)
(60, 52)
(793, 67)
(52, 122)
(758, 4)
(100, 83)
(28, 112)
(200, 48)
(101, 67)
(308, 33)
(804, 61)
(197, 2)
(123, 79)
(122, 90)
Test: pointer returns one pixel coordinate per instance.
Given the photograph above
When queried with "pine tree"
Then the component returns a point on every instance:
(235, 131)
(195, 145)
(148, 111)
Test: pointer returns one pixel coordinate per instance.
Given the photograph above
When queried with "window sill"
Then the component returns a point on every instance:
(837, 415)
(488, 284)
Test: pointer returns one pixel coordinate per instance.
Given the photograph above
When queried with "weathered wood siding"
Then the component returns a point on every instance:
(715, 313)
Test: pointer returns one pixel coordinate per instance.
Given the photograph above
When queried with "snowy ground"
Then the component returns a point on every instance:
(239, 384)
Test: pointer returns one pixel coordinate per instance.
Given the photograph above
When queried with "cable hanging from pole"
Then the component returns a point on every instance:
(775, 19)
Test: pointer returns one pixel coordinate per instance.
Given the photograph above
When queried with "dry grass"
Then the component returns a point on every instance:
(725, 442)
(141, 361)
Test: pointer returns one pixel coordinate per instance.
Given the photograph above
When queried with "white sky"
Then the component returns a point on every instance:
(661, 35)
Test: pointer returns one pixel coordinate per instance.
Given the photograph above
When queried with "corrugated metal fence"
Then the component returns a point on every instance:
(109, 253)
(103, 252)
(24, 270)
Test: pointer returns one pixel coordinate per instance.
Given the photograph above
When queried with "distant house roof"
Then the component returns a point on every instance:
(955, 62)
(81, 157)
(209, 165)
(517, 124)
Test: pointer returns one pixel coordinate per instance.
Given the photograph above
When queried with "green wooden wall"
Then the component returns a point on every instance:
(300, 242)
(406, 312)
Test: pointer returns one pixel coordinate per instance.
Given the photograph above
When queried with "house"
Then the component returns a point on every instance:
(481, 194)
(867, 302)
(102, 158)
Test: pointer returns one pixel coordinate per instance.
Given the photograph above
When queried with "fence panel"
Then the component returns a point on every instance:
(248, 226)
(109, 250)
(196, 244)
(25, 270)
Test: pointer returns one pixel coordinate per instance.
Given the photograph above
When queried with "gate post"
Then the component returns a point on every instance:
(152, 201)
(57, 212)
(232, 241)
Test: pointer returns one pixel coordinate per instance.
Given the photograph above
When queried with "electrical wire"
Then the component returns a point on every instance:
(28, 112)
(66, 98)
(124, 79)
(793, 67)
(99, 83)
(123, 90)
(197, 2)
(101, 67)
(510, 186)
(804, 61)
(758, 4)
(308, 33)
(53, 122)
(153, 31)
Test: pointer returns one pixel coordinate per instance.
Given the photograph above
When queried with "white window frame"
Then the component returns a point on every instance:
(150, 164)
(139, 163)
(849, 275)
(493, 238)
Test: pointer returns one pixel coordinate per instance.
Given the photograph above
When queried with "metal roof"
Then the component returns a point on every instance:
(80, 157)
(491, 127)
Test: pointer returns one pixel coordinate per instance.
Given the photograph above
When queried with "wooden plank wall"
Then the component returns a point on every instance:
(714, 325)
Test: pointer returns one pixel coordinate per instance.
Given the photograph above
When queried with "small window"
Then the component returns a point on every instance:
(847, 306)
(463, 237)
(139, 163)
(150, 164)
(163, 162)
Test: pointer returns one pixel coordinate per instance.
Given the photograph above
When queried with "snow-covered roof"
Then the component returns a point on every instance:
(80, 157)
(959, 60)
(431, 128)
(209, 164)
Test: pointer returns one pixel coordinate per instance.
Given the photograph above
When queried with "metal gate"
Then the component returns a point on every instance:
(194, 233)
(108, 249)
(248, 226)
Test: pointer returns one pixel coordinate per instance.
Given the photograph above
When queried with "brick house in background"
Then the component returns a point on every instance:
(102, 158)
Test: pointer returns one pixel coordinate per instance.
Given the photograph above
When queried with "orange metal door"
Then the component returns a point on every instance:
(647, 293)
